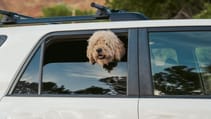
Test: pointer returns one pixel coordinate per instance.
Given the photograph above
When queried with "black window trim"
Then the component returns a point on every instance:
(40, 68)
(132, 85)
(178, 28)
(148, 93)
(3, 38)
(144, 64)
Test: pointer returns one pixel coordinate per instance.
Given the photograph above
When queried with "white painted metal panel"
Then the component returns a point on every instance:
(68, 108)
(174, 108)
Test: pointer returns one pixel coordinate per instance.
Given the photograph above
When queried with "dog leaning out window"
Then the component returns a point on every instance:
(105, 49)
(66, 68)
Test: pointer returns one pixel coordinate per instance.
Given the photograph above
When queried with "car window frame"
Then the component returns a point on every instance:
(148, 81)
(132, 84)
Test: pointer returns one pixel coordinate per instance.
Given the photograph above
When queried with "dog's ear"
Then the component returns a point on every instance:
(92, 61)
(89, 54)
(119, 51)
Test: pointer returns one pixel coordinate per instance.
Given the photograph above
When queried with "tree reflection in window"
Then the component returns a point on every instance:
(83, 81)
(206, 74)
(189, 73)
(204, 60)
(117, 86)
(177, 80)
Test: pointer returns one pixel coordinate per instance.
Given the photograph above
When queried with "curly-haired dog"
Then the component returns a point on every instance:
(105, 48)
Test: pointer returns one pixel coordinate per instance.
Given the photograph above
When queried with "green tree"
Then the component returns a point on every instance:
(57, 10)
(64, 10)
(83, 12)
(159, 9)
(206, 13)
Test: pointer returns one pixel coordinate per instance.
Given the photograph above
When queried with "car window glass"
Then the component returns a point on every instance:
(83, 78)
(204, 59)
(188, 56)
(163, 58)
(28, 83)
(2, 39)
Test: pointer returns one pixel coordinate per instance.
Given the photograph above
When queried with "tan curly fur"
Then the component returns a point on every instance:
(105, 48)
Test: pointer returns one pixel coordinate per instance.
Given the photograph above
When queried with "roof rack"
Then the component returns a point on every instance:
(102, 13)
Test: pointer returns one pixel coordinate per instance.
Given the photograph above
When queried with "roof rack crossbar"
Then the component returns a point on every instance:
(102, 13)
(12, 17)
(8, 13)
(55, 19)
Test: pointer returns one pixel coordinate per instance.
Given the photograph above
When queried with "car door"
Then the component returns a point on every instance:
(58, 82)
(176, 84)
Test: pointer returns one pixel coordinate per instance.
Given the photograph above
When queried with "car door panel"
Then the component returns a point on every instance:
(68, 108)
(174, 108)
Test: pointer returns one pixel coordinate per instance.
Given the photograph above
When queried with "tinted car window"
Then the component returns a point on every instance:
(2, 39)
(28, 83)
(183, 63)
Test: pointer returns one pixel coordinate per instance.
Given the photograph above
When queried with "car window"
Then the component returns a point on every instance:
(180, 62)
(2, 39)
(66, 70)
(28, 83)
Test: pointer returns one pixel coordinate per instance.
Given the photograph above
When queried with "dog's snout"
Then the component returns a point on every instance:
(99, 50)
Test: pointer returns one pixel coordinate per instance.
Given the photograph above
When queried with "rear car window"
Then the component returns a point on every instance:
(180, 62)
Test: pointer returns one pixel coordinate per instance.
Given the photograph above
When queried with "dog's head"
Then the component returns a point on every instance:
(105, 48)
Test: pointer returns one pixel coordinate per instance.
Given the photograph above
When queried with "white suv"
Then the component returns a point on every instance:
(165, 74)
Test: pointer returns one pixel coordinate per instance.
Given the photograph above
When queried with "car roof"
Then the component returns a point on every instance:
(110, 25)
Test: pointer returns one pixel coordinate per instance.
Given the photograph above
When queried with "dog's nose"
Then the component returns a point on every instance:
(99, 50)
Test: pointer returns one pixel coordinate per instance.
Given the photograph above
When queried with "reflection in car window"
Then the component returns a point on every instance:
(163, 58)
(28, 83)
(204, 59)
(187, 75)
(83, 78)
